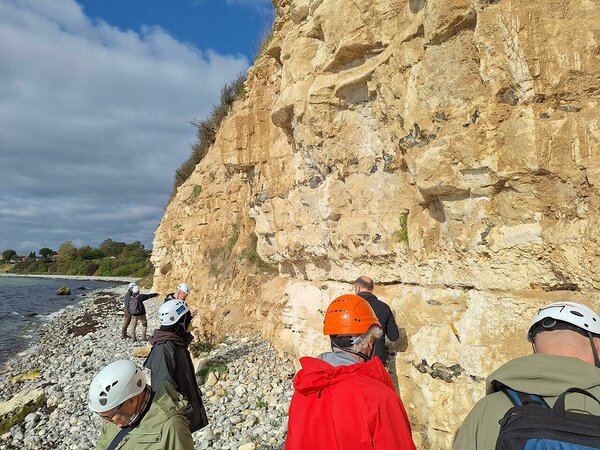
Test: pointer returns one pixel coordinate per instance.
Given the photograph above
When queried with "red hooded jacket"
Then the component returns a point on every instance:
(352, 407)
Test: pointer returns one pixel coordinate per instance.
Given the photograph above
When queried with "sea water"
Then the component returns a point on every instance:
(26, 302)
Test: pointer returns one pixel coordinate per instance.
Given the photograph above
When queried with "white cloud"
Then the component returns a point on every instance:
(94, 119)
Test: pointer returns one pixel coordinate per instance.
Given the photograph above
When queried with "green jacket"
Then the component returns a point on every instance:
(162, 428)
(544, 375)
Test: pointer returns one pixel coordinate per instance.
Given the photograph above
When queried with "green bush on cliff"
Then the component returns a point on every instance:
(219, 256)
(401, 235)
(251, 255)
(207, 129)
(196, 191)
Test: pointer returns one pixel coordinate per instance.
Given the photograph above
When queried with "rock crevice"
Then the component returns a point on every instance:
(449, 149)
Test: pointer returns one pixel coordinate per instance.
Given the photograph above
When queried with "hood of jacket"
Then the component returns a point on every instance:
(317, 375)
(160, 336)
(338, 358)
(545, 375)
(167, 403)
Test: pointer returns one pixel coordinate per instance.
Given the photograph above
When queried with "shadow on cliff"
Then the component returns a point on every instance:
(400, 346)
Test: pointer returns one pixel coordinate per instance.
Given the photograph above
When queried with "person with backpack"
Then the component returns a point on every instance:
(127, 316)
(137, 310)
(136, 417)
(527, 397)
(345, 399)
(170, 360)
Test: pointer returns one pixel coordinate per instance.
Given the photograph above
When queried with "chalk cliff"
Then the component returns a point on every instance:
(449, 149)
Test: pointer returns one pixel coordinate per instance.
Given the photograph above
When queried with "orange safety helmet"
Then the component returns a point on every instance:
(349, 314)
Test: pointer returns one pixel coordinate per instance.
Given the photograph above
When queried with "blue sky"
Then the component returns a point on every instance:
(96, 100)
(227, 26)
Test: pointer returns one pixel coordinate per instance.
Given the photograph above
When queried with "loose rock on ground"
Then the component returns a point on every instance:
(246, 394)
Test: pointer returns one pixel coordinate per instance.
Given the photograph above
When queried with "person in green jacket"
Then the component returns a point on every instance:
(565, 338)
(134, 417)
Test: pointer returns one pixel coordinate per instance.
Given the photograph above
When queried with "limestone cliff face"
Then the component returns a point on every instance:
(449, 149)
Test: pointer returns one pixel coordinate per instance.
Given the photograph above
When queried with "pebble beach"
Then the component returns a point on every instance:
(247, 386)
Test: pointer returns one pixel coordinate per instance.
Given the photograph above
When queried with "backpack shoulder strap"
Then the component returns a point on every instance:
(119, 437)
(520, 398)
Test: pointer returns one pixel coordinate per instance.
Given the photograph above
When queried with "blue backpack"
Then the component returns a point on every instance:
(532, 425)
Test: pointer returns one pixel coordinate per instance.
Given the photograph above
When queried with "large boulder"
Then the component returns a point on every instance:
(63, 291)
(19, 406)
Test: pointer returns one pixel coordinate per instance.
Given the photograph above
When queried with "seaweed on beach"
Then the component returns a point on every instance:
(88, 322)
(7, 422)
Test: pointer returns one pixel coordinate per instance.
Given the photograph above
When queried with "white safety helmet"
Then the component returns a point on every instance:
(171, 311)
(135, 289)
(131, 285)
(183, 288)
(579, 315)
(117, 382)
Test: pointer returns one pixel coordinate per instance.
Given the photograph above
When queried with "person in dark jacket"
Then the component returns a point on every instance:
(127, 316)
(363, 287)
(181, 293)
(170, 360)
(137, 299)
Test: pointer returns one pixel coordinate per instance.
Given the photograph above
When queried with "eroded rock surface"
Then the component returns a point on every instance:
(450, 149)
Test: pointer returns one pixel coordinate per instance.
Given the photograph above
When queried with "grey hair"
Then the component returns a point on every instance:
(360, 342)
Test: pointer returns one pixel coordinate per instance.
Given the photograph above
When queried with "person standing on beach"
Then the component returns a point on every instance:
(363, 287)
(138, 311)
(134, 416)
(170, 360)
(181, 293)
(127, 316)
(345, 399)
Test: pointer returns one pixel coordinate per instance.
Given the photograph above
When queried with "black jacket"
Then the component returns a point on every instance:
(142, 298)
(170, 361)
(386, 319)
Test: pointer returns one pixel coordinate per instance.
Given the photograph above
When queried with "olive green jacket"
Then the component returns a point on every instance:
(544, 375)
(162, 428)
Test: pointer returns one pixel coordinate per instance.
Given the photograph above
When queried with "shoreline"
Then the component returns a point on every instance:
(71, 277)
(246, 394)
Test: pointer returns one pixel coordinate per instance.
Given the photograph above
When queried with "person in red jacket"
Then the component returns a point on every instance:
(345, 399)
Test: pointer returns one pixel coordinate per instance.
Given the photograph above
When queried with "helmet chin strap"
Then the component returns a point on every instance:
(359, 354)
(143, 409)
(594, 350)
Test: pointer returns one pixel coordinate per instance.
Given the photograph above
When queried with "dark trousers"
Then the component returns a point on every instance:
(126, 322)
(134, 321)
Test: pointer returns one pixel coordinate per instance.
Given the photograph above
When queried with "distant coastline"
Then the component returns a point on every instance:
(70, 277)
